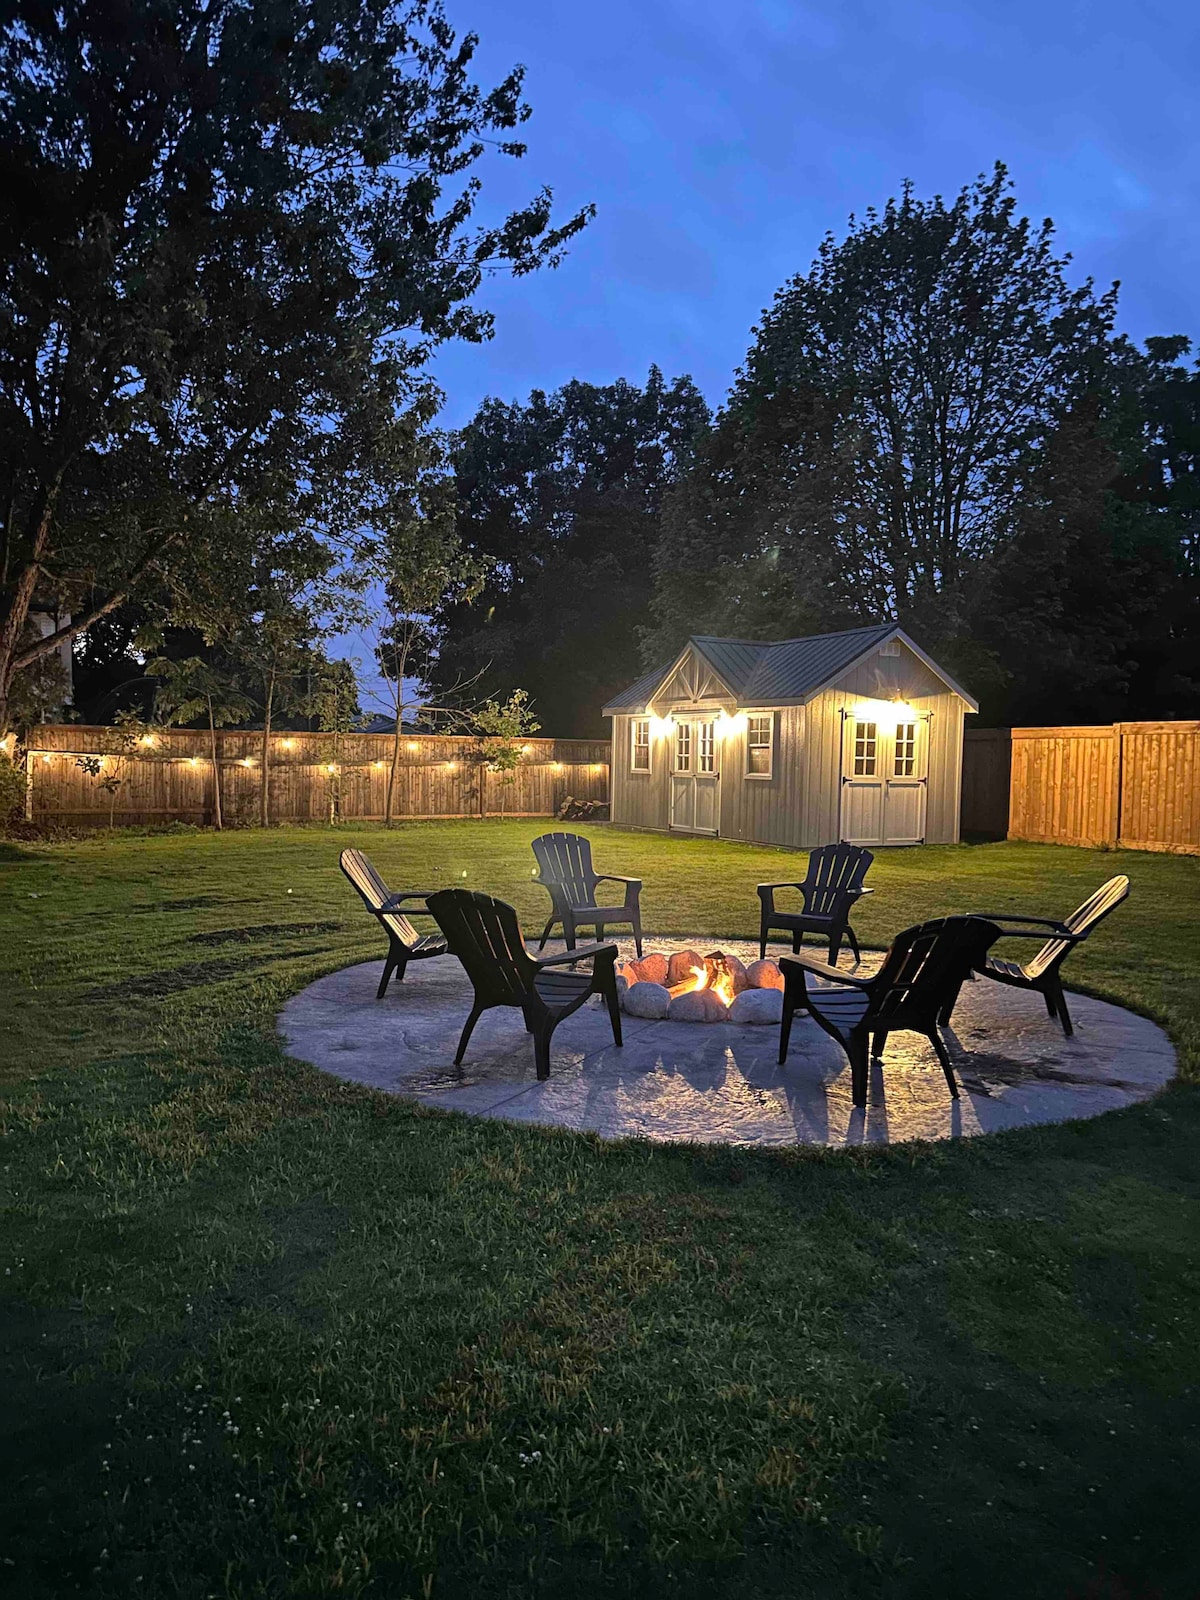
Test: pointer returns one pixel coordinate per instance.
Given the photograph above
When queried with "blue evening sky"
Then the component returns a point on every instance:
(720, 139)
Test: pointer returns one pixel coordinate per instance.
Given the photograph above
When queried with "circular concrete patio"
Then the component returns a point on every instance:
(721, 1083)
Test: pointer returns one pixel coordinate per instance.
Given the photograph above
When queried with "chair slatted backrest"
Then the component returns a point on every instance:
(925, 964)
(375, 894)
(565, 862)
(485, 936)
(1081, 922)
(833, 871)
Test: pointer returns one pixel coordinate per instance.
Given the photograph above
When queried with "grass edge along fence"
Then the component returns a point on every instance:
(1127, 785)
(313, 777)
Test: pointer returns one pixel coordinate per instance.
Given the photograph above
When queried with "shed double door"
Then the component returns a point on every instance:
(695, 776)
(885, 785)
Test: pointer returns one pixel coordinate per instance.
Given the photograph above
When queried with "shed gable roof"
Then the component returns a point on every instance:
(771, 672)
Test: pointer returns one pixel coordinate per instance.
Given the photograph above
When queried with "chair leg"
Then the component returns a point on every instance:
(599, 933)
(637, 933)
(401, 968)
(878, 1041)
(785, 1025)
(1064, 1016)
(613, 1003)
(569, 932)
(541, 1047)
(835, 948)
(947, 1010)
(856, 1049)
(762, 941)
(476, 1012)
(853, 944)
(1051, 1007)
(546, 933)
(797, 941)
(943, 1055)
(389, 966)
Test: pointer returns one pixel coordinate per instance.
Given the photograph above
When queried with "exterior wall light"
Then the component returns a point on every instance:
(146, 739)
(287, 744)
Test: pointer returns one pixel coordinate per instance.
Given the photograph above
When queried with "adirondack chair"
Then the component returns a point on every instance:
(566, 873)
(405, 944)
(1041, 974)
(924, 967)
(485, 936)
(831, 886)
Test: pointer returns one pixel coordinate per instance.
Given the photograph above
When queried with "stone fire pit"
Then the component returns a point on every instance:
(690, 987)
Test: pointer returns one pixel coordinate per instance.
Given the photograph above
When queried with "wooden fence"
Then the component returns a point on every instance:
(313, 777)
(1135, 785)
(986, 774)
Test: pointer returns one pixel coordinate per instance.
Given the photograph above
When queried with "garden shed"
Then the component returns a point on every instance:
(798, 742)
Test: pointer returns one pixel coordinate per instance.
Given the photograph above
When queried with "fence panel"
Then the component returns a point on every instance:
(313, 777)
(986, 776)
(1160, 786)
(1135, 784)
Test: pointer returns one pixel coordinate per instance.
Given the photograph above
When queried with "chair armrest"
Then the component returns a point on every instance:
(615, 877)
(394, 901)
(766, 893)
(581, 952)
(822, 969)
(1011, 916)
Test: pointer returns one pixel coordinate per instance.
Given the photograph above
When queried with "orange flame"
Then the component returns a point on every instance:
(721, 985)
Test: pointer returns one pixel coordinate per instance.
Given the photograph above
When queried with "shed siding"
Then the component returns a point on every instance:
(639, 799)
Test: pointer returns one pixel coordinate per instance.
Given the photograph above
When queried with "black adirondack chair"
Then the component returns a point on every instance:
(405, 944)
(485, 936)
(925, 966)
(831, 887)
(1041, 973)
(566, 873)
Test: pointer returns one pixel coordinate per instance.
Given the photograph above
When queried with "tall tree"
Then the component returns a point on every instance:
(231, 231)
(878, 444)
(417, 568)
(562, 496)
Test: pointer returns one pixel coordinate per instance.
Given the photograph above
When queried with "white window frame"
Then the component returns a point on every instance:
(769, 718)
(706, 748)
(635, 744)
(683, 742)
(865, 748)
(905, 752)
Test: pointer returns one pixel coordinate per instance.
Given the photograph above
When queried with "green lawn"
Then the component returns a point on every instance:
(268, 1335)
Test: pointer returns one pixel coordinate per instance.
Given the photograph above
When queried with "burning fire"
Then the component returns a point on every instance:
(714, 975)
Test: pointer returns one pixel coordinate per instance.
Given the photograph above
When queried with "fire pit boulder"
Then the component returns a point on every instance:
(650, 1000)
(690, 987)
(760, 1006)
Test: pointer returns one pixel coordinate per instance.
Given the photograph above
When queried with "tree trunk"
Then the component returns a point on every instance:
(264, 787)
(394, 773)
(216, 766)
(12, 625)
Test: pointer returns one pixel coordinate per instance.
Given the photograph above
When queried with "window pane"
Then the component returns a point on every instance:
(641, 745)
(707, 748)
(865, 743)
(683, 747)
(759, 759)
(906, 749)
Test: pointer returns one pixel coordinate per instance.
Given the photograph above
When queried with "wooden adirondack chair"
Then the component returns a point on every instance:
(924, 967)
(831, 888)
(485, 936)
(1041, 974)
(566, 873)
(405, 944)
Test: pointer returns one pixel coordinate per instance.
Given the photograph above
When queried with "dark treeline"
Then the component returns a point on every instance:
(931, 425)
